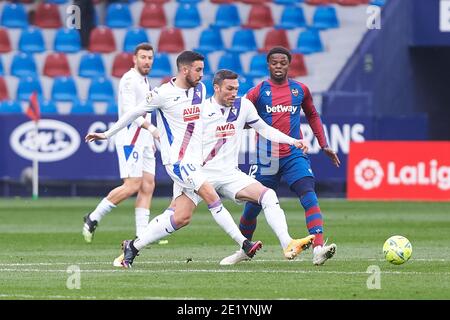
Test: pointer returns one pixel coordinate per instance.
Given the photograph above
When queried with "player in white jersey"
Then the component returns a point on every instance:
(179, 104)
(134, 147)
(226, 117)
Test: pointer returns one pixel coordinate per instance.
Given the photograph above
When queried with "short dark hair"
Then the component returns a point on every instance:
(281, 50)
(143, 46)
(224, 74)
(188, 57)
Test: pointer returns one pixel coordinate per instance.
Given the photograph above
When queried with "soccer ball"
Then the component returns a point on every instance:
(397, 250)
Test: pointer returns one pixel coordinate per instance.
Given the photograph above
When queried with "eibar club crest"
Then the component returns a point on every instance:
(294, 92)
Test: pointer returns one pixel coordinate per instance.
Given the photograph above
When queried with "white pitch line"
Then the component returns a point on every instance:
(29, 296)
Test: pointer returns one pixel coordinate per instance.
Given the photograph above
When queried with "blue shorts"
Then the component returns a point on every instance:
(290, 168)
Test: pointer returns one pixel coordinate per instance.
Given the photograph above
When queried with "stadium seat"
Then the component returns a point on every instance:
(14, 15)
(189, 1)
(230, 61)
(122, 63)
(292, 17)
(254, 1)
(260, 16)
(27, 85)
(31, 40)
(91, 65)
(187, 16)
(79, 107)
(64, 89)
(67, 41)
(47, 106)
(258, 66)
(210, 40)
(208, 82)
(4, 95)
(227, 15)
(348, 2)
(2, 72)
(275, 37)
(156, 1)
(325, 18)
(100, 89)
(118, 15)
(318, 2)
(297, 67)
(56, 1)
(22, 65)
(287, 2)
(170, 40)
(112, 107)
(102, 40)
(221, 1)
(47, 16)
(153, 16)
(161, 66)
(5, 44)
(243, 41)
(10, 106)
(309, 42)
(379, 3)
(133, 37)
(245, 84)
(56, 65)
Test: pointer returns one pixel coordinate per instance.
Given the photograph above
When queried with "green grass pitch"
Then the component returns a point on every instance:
(42, 244)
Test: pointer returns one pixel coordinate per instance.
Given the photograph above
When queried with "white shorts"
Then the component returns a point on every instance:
(187, 178)
(140, 159)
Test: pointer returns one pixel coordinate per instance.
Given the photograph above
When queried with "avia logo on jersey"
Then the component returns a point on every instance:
(225, 130)
(281, 108)
(191, 113)
(55, 140)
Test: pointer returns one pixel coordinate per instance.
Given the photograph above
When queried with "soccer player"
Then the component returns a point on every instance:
(134, 147)
(278, 101)
(178, 105)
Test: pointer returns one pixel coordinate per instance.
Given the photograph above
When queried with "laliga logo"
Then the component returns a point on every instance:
(55, 141)
(368, 174)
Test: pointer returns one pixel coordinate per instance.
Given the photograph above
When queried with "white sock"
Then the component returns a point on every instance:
(224, 219)
(160, 227)
(142, 217)
(275, 216)
(104, 207)
(316, 249)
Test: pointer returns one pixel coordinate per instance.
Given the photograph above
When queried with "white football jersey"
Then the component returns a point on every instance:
(133, 88)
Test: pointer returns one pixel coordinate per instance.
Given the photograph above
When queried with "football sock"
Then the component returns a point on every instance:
(142, 217)
(225, 221)
(313, 216)
(160, 227)
(248, 220)
(101, 210)
(275, 216)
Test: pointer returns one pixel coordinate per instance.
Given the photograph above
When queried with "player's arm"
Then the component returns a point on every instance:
(315, 123)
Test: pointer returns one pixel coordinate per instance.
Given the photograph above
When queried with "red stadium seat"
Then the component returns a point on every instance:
(349, 2)
(3, 90)
(260, 16)
(318, 2)
(122, 63)
(171, 40)
(297, 67)
(156, 1)
(56, 65)
(153, 16)
(102, 40)
(275, 37)
(254, 1)
(5, 44)
(222, 1)
(47, 16)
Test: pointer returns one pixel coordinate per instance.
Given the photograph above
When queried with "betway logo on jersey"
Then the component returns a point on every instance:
(280, 108)
(225, 130)
(399, 170)
(191, 113)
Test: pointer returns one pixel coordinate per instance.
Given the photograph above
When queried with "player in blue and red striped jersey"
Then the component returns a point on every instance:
(278, 101)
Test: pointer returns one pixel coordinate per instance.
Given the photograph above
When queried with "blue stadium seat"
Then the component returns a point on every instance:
(31, 40)
(243, 41)
(10, 106)
(287, 2)
(56, 1)
(133, 37)
(27, 85)
(379, 3)
(64, 89)
(292, 17)
(67, 40)
(325, 17)
(47, 106)
(161, 66)
(309, 42)
(91, 65)
(101, 89)
(230, 61)
(258, 66)
(118, 15)
(245, 84)
(227, 15)
(189, 1)
(208, 82)
(14, 15)
(82, 107)
(210, 40)
(1, 67)
(112, 107)
(187, 16)
(23, 65)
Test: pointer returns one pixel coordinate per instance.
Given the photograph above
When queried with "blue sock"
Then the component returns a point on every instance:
(247, 224)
